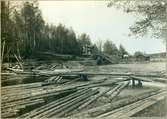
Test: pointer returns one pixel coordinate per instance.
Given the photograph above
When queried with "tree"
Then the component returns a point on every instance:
(72, 46)
(122, 51)
(33, 27)
(154, 14)
(29, 34)
(7, 33)
(110, 48)
(84, 39)
(95, 49)
(99, 44)
(138, 54)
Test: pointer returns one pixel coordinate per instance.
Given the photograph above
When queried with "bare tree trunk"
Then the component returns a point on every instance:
(34, 41)
(166, 41)
(166, 53)
(2, 55)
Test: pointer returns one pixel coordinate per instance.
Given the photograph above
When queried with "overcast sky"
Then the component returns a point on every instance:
(99, 22)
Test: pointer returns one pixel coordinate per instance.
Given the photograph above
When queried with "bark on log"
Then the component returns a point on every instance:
(118, 90)
(56, 103)
(98, 96)
(111, 106)
(66, 105)
(133, 108)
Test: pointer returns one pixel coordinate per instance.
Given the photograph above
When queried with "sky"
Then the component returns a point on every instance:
(99, 22)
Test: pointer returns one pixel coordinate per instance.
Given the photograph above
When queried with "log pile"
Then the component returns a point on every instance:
(53, 94)
(61, 104)
(131, 109)
(101, 110)
(60, 97)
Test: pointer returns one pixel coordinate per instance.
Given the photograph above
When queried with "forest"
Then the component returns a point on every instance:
(24, 33)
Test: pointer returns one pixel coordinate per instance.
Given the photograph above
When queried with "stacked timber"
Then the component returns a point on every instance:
(112, 90)
(52, 98)
(97, 111)
(131, 109)
(17, 99)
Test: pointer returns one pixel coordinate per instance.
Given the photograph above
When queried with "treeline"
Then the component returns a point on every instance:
(111, 49)
(24, 32)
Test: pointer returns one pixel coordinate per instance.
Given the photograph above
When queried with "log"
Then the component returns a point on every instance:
(26, 102)
(133, 108)
(37, 95)
(79, 72)
(56, 103)
(16, 70)
(53, 67)
(38, 92)
(59, 80)
(117, 91)
(97, 96)
(41, 93)
(15, 104)
(51, 80)
(7, 74)
(94, 112)
(66, 105)
(144, 105)
(9, 114)
(70, 76)
(46, 72)
(71, 108)
(21, 65)
(68, 82)
(107, 83)
(29, 94)
(17, 107)
(22, 91)
(141, 79)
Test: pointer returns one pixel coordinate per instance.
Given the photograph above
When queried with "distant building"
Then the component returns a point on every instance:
(158, 56)
(139, 58)
(87, 50)
(142, 57)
